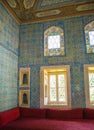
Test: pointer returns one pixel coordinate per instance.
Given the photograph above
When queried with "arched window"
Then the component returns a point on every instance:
(89, 36)
(54, 41)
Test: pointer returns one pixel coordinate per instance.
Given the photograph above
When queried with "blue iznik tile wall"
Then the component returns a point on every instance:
(9, 39)
(32, 55)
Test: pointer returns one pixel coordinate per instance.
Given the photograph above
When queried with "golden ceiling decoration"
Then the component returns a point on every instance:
(85, 7)
(28, 3)
(27, 11)
(48, 13)
(12, 3)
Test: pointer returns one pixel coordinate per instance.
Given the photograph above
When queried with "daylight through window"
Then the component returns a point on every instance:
(89, 37)
(55, 86)
(89, 84)
(53, 42)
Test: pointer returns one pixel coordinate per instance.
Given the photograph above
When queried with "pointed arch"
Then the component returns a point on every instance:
(54, 41)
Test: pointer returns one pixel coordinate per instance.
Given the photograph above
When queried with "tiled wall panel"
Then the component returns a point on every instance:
(9, 39)
(32, 55)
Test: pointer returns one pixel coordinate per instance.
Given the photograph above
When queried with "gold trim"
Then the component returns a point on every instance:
(11, 11)
(66, 12)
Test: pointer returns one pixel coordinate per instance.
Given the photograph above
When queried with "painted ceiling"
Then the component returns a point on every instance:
(27, 11)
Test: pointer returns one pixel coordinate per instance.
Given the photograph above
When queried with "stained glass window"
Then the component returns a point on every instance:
(54, 41)
(61, 88)
(89, 36)
(57, 87)
(52, 87)
(91, 86)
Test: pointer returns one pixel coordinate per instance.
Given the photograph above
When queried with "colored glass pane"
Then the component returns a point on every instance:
(57, 88)
(61, 88)
(61, 94)
(91, 37)
(52, 88)
(53, 42)
(91, 86)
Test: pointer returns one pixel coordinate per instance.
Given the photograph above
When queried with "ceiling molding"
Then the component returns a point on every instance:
(28, 14)
(11, 12)
(85, 7)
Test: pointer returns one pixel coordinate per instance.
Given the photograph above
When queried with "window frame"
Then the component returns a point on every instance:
(57, 101)
(88, 28)
(42, 85)
(52, 31)
(86, 85)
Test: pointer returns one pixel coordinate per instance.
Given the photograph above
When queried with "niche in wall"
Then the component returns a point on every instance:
(24, 77)
(24, 87)
(24, 98)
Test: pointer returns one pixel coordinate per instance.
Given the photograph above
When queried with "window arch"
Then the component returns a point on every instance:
(54, 41)
(89, 36)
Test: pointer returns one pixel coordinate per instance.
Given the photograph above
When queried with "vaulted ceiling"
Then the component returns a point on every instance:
(28, 11)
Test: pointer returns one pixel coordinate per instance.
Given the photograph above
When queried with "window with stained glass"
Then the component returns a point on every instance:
(89, 84)
(54, 41)
(89, 36)
(55, 86)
